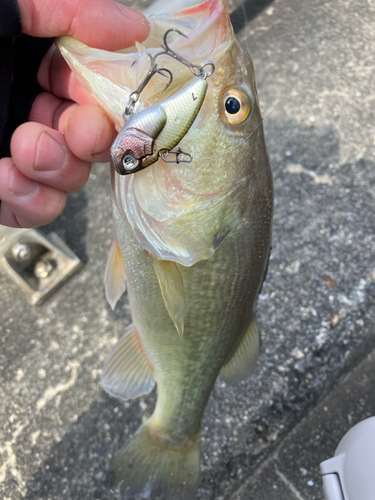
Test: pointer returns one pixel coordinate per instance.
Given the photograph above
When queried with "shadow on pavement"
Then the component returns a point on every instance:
(246, 12)
(71, 226)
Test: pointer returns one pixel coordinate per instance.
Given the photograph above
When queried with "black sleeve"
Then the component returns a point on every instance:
(20, 57)
(10, 18)
(10, 26)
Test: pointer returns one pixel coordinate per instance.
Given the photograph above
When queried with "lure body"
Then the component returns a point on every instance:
(156, 129)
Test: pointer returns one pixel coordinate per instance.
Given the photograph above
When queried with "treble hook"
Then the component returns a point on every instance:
(134, 96)
(197, 70)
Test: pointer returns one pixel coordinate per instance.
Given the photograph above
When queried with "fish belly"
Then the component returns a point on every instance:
(219, 293)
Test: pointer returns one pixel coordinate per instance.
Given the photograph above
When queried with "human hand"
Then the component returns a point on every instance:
(52, 154)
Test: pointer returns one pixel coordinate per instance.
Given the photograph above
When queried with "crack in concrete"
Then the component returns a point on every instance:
(11, 461)
(51, 392)
(294, 168)
(289, 484)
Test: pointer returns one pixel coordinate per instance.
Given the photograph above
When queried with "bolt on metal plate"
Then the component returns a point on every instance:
(37, 263)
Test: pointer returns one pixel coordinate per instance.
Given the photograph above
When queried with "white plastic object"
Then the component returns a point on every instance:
(350, 474)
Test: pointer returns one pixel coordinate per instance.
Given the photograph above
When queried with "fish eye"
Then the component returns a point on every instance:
(232, 105)
(236, 106)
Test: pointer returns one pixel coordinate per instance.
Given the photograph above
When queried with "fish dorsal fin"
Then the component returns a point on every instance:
(114, 276)
(127, 372)
(242, 363)
(172, 290)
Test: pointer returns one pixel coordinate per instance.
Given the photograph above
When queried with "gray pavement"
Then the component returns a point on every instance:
(292, 471)
(59, 431)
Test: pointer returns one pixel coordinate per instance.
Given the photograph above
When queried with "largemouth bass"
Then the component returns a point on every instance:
(192, 245)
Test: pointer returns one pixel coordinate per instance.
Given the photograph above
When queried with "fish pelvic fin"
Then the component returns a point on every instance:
(127, 372)
(114, 276)
(243, 361)
(157, 468)
(172, 290)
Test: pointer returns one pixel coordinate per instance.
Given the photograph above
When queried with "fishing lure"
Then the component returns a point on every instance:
(154, 132)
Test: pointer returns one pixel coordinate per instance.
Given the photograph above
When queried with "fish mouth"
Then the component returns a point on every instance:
(207, 27)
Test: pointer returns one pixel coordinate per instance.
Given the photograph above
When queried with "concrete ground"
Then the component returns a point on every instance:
(265, 438)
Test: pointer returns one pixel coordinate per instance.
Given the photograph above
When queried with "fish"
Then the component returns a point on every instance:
(192, 240)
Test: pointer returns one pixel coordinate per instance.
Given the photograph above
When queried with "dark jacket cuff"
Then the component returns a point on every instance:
(10, 18)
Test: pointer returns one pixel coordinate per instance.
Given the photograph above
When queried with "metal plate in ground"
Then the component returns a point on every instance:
(38, 264)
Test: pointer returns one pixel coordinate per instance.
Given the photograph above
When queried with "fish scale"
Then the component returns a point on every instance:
(211, 289)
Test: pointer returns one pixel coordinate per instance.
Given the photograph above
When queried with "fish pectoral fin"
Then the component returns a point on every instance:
(172, 290)
(114, 276)
(127, 372)
(242, 363)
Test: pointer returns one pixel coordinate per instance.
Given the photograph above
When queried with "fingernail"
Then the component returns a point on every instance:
(50, 154)
(20, 185)
(131, 14)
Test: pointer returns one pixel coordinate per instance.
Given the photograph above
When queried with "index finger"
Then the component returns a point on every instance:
(55, 76)
(103, 24)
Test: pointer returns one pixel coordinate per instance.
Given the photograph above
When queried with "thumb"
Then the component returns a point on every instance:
(102, 24)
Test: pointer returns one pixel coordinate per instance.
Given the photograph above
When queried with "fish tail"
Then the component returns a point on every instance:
(155, 467)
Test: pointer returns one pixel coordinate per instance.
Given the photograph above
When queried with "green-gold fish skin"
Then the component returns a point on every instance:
(195, 241)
